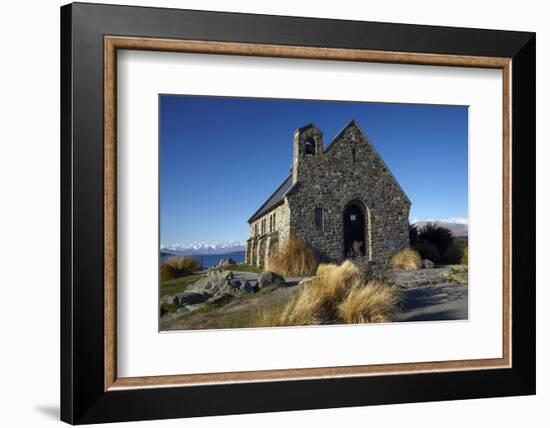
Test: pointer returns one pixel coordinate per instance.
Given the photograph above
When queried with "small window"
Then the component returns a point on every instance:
(274, 224)
(309, 147)
(353, 153)
(270, 223)
(318, 218)
(255, 229)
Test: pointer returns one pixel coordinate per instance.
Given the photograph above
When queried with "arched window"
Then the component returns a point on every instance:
(309, 147)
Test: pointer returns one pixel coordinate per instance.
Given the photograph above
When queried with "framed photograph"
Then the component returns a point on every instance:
(267, 213)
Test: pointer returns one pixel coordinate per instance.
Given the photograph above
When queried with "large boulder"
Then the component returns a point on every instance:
(211, 284)
(225, 283)
(190, 298)
(231, 287)
(247, 288)
(269, 278)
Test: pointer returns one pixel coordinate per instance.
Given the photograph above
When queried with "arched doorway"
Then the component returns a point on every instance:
(354, 231)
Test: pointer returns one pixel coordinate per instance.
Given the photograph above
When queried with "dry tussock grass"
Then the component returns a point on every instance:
(338, 294)
(407, 259)
(369, 303)
(187, 264)
(464, 256)
(178, 266)
(293, 258)
(167, 272)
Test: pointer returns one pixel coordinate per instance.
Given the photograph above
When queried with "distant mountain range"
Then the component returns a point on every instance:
(204, 248)
(458, 228)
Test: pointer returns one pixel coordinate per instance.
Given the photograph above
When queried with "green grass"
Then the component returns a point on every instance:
(177, 285)
(168, 308)
(237, 320)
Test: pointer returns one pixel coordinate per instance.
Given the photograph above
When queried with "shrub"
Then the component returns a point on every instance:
(407, 259)
(293, 258)
(428, 251)
(336, 294)
(167, 272)
(439, 236)
(178, 266)
(370, 303)
(413, 234)
(464, 256)
(452, 255)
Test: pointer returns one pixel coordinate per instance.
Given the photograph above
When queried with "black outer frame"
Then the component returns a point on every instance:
(83, 399)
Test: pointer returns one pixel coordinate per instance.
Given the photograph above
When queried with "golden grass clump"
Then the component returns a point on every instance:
(333, 279)
(407, 259)
(178, 266)
(167, 272)
(338, 294)
(293, 258)
(302, 309)
(369, 303)
(184, 264)
(464, 256)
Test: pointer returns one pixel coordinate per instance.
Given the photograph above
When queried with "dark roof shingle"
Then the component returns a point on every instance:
(273, 200)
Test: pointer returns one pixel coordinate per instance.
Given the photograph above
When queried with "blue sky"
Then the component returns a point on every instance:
(221, 158)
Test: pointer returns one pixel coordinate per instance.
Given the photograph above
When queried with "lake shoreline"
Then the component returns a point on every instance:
(207, 260)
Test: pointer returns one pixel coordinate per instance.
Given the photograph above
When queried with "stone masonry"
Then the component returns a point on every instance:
(341, 201)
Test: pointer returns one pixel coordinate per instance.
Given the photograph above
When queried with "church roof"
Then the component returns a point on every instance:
(274, 200)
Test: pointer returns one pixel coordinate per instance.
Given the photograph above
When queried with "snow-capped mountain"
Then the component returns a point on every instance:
(458, 226)
(204, 247)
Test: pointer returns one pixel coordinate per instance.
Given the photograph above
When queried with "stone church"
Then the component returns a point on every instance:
(341, 201)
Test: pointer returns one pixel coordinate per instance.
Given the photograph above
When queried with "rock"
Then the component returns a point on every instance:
(167, 300)
(188, 308)
(190, 298)
(246, 287)
(235, 283)
(268, 278)
(211, 284)
(221, 299)
(226, 262)
(427, 264)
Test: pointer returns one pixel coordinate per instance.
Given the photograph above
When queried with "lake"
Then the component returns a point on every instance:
(208, 260)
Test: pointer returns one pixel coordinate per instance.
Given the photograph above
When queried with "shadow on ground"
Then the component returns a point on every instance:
(441, 302)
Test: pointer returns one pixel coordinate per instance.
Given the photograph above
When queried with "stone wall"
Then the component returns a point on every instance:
(349, 170)
(262, 244)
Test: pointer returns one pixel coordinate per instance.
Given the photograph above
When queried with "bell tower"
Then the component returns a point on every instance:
(308, 144)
